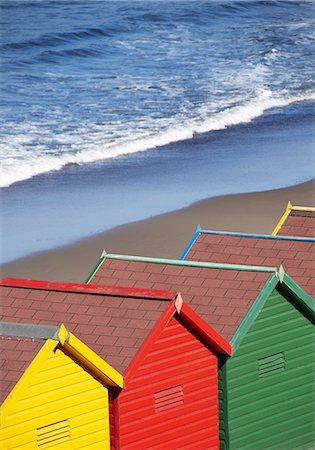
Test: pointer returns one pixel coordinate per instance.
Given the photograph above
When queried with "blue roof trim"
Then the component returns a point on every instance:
(191, 243)
(260, 236)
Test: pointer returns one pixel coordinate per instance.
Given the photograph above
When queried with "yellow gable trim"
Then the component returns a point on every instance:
(282, 220)
(77, 349)
(89, 358)
(57, 391)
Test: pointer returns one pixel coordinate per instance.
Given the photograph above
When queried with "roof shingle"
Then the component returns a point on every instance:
(298, 223)
(296, 256)
(15, 356)
(114, 326)
(215, 294)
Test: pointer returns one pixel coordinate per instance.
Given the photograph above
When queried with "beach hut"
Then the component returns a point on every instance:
(54, 389)
(296, 221)
(168, 354)
(295, 253)
(266, 388)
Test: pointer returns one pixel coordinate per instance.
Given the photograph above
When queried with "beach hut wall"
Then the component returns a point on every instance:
(268, 320)
(168, 354)
(55, 389)
(268, 401)
(296, 221)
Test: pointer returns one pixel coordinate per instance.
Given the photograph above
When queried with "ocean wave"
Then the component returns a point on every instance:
(58, 39)
(53, 55)
(14, 170)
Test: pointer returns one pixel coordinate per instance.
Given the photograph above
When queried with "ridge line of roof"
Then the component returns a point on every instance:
(114, 291)
(26, 330)
(302, 208)
(305, 298)
(260, 236)
(178, 262)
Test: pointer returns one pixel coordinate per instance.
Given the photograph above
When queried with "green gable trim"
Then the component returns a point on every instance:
(177, 262)
(95, 269)
(274, 411)
(303, 300)
(253, 312)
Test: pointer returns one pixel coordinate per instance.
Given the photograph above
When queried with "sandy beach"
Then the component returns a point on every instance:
(165, 235)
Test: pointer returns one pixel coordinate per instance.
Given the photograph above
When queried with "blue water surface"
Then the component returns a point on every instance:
(86, 81)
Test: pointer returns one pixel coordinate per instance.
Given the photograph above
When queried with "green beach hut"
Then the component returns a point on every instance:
(266, 389)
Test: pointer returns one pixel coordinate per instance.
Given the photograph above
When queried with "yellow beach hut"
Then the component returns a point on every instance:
(55, 390)
(296, 221)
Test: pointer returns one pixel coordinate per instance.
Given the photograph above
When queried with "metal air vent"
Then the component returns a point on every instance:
(53, 434)
(169, 398)
(271, 365)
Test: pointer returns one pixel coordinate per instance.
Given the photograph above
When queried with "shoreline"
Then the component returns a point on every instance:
(165, 235)
(63, 207)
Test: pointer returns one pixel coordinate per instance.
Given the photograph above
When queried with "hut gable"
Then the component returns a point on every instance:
(220, 294)
(172, 384)
(296, 221)
(269, 380)
(55, 376)
(296, 254)
(182, 382)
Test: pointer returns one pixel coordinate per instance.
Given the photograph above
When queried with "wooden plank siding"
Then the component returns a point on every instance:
(58, 403)
(223, 412)
(270, 379)
(172, 399)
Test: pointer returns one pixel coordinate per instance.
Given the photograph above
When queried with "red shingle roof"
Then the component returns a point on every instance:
(297, 257)
(298, 223)
(221, 297)
(15, 356)
(114, 326)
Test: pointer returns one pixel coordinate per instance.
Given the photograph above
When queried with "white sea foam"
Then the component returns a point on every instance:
(99, 147)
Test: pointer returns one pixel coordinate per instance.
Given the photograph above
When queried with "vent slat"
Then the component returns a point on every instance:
(166, 392)
(271, 365)
(169, 398)
(53, 434)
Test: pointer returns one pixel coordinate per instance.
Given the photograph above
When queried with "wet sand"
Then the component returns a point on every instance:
(165, 235)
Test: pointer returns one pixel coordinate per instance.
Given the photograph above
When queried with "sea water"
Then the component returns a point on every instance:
(112, 111)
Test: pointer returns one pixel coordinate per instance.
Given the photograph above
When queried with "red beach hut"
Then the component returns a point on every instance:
(168, 354)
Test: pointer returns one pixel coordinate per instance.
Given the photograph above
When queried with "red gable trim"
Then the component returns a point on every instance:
(88, 288)
(205, 332)
(158, 327)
